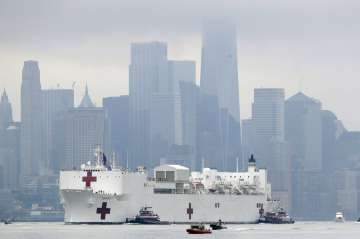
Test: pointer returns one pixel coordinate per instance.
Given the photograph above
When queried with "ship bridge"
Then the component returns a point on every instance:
(171, 178)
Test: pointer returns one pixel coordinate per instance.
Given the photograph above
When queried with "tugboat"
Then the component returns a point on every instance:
(145, 216)
(198, 229)
(276, 217)
(218, 225)
(339, 217)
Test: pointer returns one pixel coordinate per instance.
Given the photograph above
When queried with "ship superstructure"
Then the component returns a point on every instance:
(103, 194)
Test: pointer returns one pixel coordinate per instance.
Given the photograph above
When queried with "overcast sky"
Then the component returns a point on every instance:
(295, 44)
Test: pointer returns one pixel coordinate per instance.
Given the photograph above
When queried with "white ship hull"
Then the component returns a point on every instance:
(82, 207)
(97, 194)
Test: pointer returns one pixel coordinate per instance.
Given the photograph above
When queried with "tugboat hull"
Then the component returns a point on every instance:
(196, 231)
(276, 221)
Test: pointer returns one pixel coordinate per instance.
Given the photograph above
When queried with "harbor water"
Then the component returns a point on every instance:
(303, 230)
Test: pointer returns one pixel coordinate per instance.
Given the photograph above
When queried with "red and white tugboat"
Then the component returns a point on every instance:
(198, 229)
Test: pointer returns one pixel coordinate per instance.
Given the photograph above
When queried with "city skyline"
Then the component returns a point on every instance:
(92, 95)
(293, 54)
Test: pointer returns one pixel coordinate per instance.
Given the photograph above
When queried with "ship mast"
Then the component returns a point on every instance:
(98, 155)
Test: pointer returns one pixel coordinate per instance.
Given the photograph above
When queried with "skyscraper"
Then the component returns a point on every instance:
(270, 147)
(332, 129)
(9, 146)
(185, 77)
(167, 115)
(5, 111)
(220, 141)
(56, 103)
(268, 120)
(85, 131)
(31, 153)
(148, 75)
(268, 113)
(304, 131)
(9, 156)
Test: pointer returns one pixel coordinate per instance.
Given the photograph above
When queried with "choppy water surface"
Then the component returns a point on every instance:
(302, 230)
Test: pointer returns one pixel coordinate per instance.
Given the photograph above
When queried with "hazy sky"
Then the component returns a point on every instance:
(295, 44)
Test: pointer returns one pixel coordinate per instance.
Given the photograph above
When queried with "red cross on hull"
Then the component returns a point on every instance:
(189, 211)
(88, 179)
(103, 210)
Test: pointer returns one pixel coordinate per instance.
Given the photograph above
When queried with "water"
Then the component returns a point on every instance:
(303, 230)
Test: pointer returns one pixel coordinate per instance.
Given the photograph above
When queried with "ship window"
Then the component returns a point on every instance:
(163, 190)
(160, 175)
(170, 176)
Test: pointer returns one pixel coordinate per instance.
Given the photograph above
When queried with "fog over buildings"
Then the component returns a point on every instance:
(308, 45)
(153, 82)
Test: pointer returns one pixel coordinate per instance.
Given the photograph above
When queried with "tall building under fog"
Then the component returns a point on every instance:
(56, 104)
(85, 131)
(182, 149)
(189, 94)
(147, 69)
(157, 107)
(31, 164)
(268, 113)
(9, 146)
(304, 131)
(219, 138)
(5, 112)
(270, 146)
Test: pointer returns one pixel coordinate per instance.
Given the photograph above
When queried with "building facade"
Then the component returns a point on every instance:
(157, 106)
(10, 157)
(269, 145)
(31, 164)
(147, 70)
(303, 124)
(9, 146)
(56, 104)
(85, 131)
(117, 111)
(5, 112)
